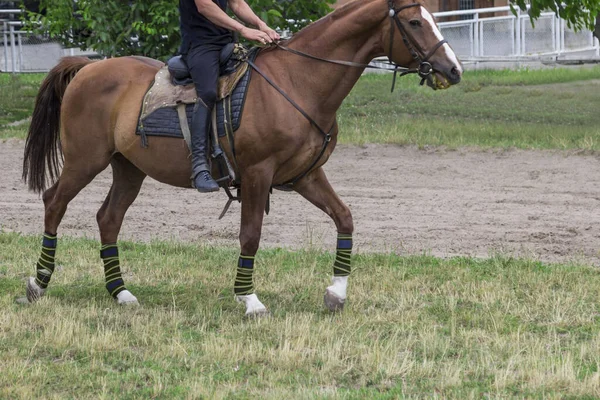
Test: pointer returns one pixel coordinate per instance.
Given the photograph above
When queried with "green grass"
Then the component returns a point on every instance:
(545, 109)
(416, 327)
(17, 99)
(530, 109)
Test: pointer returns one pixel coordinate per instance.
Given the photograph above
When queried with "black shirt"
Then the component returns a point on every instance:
(196, 29)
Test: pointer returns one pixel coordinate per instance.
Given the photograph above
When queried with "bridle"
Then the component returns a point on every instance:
(424, 70)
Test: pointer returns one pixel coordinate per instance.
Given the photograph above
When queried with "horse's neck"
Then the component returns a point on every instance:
(348, 34)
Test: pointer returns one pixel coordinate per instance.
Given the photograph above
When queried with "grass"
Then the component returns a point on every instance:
(416, 327)
(16, 101)
(546, 109)
(530, 109)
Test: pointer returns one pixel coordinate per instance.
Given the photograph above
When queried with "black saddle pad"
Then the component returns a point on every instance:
(165, 121)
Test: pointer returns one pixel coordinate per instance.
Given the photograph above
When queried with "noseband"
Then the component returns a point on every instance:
(425, 69)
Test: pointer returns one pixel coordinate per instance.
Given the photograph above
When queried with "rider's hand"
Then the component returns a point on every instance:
(256, 35)
(272, 34)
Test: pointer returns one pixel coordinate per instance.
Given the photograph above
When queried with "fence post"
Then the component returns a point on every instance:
(518, 31)
(562, 36)
(13, 50)
(472, 38)
(513, 50)
(476, 31)
(555, 30)
(5, 36)
(522, 23)
(20, 36)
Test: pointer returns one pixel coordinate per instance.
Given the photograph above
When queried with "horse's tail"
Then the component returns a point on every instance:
(43, 154)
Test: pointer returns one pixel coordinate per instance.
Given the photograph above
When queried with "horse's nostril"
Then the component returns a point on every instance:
(454, 75)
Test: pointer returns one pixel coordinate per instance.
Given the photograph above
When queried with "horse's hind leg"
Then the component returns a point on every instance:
(316, 189)
(127, 181)
(76, 174)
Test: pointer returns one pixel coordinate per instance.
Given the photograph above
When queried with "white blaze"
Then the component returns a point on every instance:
(446, 47)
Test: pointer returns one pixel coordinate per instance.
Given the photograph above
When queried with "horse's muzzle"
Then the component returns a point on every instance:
(453, 75)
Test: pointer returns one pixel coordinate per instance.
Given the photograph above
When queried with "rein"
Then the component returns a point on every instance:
(424, 70)
(326, 136)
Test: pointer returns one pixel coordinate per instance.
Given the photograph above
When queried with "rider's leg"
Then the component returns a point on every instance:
(203, 63)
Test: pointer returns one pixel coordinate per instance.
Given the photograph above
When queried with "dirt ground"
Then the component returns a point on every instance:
(537, 204)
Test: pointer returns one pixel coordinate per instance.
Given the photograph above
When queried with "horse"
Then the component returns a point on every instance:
(86, 114)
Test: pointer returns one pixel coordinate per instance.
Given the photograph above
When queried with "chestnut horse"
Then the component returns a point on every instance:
(88, 111)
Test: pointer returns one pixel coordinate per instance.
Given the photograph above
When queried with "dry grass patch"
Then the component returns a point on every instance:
(414, 327)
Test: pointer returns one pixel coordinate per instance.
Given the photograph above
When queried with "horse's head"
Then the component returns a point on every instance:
(412, 39)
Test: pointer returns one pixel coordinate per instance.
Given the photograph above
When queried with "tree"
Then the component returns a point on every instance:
(579, 14)
(146, 27)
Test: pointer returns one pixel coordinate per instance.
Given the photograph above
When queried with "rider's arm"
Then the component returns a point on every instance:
(243, 11)
(217, 16)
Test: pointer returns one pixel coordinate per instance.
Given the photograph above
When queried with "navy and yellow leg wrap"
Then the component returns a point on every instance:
(112, 270)
(45, 265)
(342, 266)
(243, 279)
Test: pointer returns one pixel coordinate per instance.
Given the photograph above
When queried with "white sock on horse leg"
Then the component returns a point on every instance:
(253, 304)
(125, 297)
(339, 285)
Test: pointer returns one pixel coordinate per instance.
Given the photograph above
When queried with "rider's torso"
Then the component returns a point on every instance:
(196, 29)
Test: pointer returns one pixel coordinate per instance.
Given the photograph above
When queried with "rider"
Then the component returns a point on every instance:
(205, 30)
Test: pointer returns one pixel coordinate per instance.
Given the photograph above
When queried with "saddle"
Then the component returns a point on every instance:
(168, 105)
(231, 57)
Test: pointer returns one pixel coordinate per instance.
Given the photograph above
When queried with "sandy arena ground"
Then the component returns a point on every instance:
(537, 204)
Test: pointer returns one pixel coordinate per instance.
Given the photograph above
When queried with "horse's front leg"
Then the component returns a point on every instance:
(316, 188)
(256, 182)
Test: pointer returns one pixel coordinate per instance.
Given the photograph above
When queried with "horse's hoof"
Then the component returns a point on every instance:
(259, 313)
(333, 302)
(22, 300)
(125, 298)
(34, 292)
(254, 308)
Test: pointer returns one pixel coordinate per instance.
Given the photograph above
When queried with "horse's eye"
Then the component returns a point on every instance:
(415, 22)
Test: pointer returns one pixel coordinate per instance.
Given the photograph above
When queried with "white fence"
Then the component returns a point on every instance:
(505, 37)
(485, 34)
(24, 51)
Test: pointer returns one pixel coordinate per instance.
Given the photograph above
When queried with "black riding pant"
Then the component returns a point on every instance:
(203, 63)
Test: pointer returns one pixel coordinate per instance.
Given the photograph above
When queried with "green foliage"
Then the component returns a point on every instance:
(146, 27)
(290, 15)
(579, 14)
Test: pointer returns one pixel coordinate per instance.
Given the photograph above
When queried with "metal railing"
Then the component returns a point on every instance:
(500, 36)
(25, 51)
(506, 37)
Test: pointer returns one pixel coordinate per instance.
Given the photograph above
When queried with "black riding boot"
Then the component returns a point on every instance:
(201, 178)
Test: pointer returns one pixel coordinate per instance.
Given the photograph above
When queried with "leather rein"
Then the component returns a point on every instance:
(424, 70)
